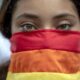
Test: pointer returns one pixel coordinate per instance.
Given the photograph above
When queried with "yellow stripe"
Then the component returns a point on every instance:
(42, 76)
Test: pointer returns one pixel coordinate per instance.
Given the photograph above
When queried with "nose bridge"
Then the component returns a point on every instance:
(47, 25)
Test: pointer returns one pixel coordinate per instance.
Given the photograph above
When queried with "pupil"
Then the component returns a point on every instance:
(65, 26)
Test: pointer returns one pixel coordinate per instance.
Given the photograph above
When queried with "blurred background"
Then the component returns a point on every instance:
(5, 52)
(4, 46)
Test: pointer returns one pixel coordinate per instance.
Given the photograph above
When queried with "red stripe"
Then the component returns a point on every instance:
(46, 39)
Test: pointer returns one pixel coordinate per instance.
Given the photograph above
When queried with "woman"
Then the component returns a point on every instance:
(45, 36)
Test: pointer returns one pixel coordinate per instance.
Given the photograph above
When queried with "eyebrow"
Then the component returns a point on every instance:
(58, 16)
(25, 15)
(64, 15)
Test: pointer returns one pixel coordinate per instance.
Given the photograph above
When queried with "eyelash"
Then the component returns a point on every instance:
(65, 25)
(28, 26)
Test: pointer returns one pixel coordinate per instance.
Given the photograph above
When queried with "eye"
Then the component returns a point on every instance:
(28, 27)
(64, 27)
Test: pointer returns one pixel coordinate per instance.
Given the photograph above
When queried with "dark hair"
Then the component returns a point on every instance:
(6, 27)
(7, 19)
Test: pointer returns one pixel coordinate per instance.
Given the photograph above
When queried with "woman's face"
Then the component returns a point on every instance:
(45, 14)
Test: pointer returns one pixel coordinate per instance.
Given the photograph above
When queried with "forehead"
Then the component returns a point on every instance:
(44, 7)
